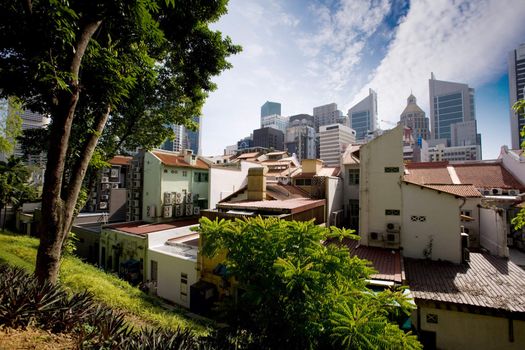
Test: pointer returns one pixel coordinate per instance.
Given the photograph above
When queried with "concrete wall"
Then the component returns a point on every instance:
(441, 224)
(460, 331)
(471, 205)
(513, 163)
(493, 231)
(225, 181)
(334, 199)
(169, 270)
(133, 247)
(380, 190)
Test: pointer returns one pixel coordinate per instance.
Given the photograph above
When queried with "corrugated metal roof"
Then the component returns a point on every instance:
(293, 205)
(487, 281)
(143, 229)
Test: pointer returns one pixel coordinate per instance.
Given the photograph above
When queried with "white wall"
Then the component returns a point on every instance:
(334, 197)
(225, 181)
(493, 231)
(473, 226)
(441, 224)
(513, 163)
(379, 190)
(169, 270)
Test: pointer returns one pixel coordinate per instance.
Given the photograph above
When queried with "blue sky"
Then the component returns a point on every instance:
(305, 54)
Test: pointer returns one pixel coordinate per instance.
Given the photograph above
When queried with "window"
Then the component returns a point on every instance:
(432, 318)
(393, 169)
(201, 177)
(353, 176)
(466, 213)
(392, 212)
(303, 182)
(416, 218)
(183, 286)
(184, 173)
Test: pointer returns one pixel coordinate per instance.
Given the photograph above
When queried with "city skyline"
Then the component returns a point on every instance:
(307, 55)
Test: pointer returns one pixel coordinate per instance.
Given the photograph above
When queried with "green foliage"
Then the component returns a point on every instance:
(10, 124)
(295, 292)
(519, 220)
(77, 276)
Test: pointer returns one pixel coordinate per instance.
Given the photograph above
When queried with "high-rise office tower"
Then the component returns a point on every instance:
(452, 113)
(300, 136)
(270, 108)
(363, 116)
(516, 92)
(327, 115)
(333, 140)
(269, 138)
(414, 118)
(184, 139)
(275, 121)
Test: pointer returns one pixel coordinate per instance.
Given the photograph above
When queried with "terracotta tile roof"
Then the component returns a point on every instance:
(427, 173)
(487, 281)
(302, 175)
(276, 153)
(487, 175)
(291, 205)
(329, 171)
(431, 187)
(178, 161)
(248, 155)
(467, 191)
(387, 262)
(351, 155)
(120, 160)
(283, 192)
(143, 228)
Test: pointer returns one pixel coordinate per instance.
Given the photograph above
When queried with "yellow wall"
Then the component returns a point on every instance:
(463, 331)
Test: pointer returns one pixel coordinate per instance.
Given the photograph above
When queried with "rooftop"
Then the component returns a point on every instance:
(295, 205)
(386, 262)
(176, 160)
(143, 229)
(120, 160)
(467, 191)
(487, 281)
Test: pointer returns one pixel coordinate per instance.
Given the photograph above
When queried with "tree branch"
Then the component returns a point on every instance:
(80, 48)
(28, 7)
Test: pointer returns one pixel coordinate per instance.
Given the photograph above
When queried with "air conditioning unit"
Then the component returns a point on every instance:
(136, 176)
(136, 211)
(104, 197)
(136, 203)
(195, 197)
(105, 170)
(375, 237)
(486, 192)
(189, 197)
(189, 210)
(136, 183)
(196, 211)
(128, 217)
(496, 191)
(392, 238)
(178, 197)
(514, 192)
(103, 205)
(393, 227)
(137, 217)
(104, 179)
(167, 211)
(128, 194)
(168, 198)
(137, 195)
(178, 210)
(151, 211)
(114, 186)
(106, 186)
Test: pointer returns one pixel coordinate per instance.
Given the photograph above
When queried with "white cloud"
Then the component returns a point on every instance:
(459, 41)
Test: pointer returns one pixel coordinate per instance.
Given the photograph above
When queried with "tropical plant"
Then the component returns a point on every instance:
(519, 220)
(294, 292)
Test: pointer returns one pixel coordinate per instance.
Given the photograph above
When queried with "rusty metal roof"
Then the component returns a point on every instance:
(143, 229)
(487, 281)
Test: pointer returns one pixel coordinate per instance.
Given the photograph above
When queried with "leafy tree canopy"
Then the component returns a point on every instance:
(296, 293)
(113, 73)
(10, 124)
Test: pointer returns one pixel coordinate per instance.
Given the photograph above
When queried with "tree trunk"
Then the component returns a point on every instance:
(58, 207)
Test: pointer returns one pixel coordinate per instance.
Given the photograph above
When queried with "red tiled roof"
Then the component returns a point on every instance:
(143, 229)
(283, 192)
(293, 205)
(386, 262)
(120, 160)
(467, 191)
(487, 175)
(487, 281)
(248, 155)
(428, 173)
(178, 161)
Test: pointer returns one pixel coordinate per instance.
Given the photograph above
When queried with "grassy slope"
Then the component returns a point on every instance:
(77, 276)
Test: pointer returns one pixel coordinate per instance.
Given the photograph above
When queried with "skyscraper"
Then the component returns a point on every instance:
(363, 115)
(269, 108)
(184, 139)
(327, 115)
(516, 92)
(300, 136)
(414, 118)
(452, 113)
(333, 142)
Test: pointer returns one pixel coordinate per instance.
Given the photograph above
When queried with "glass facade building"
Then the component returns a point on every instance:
(363, 116)
(516, 65)
(270, 108)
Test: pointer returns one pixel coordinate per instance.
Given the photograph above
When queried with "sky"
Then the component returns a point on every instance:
(306, 53)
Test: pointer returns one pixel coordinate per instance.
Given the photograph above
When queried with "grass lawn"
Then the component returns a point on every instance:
(77, 276)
